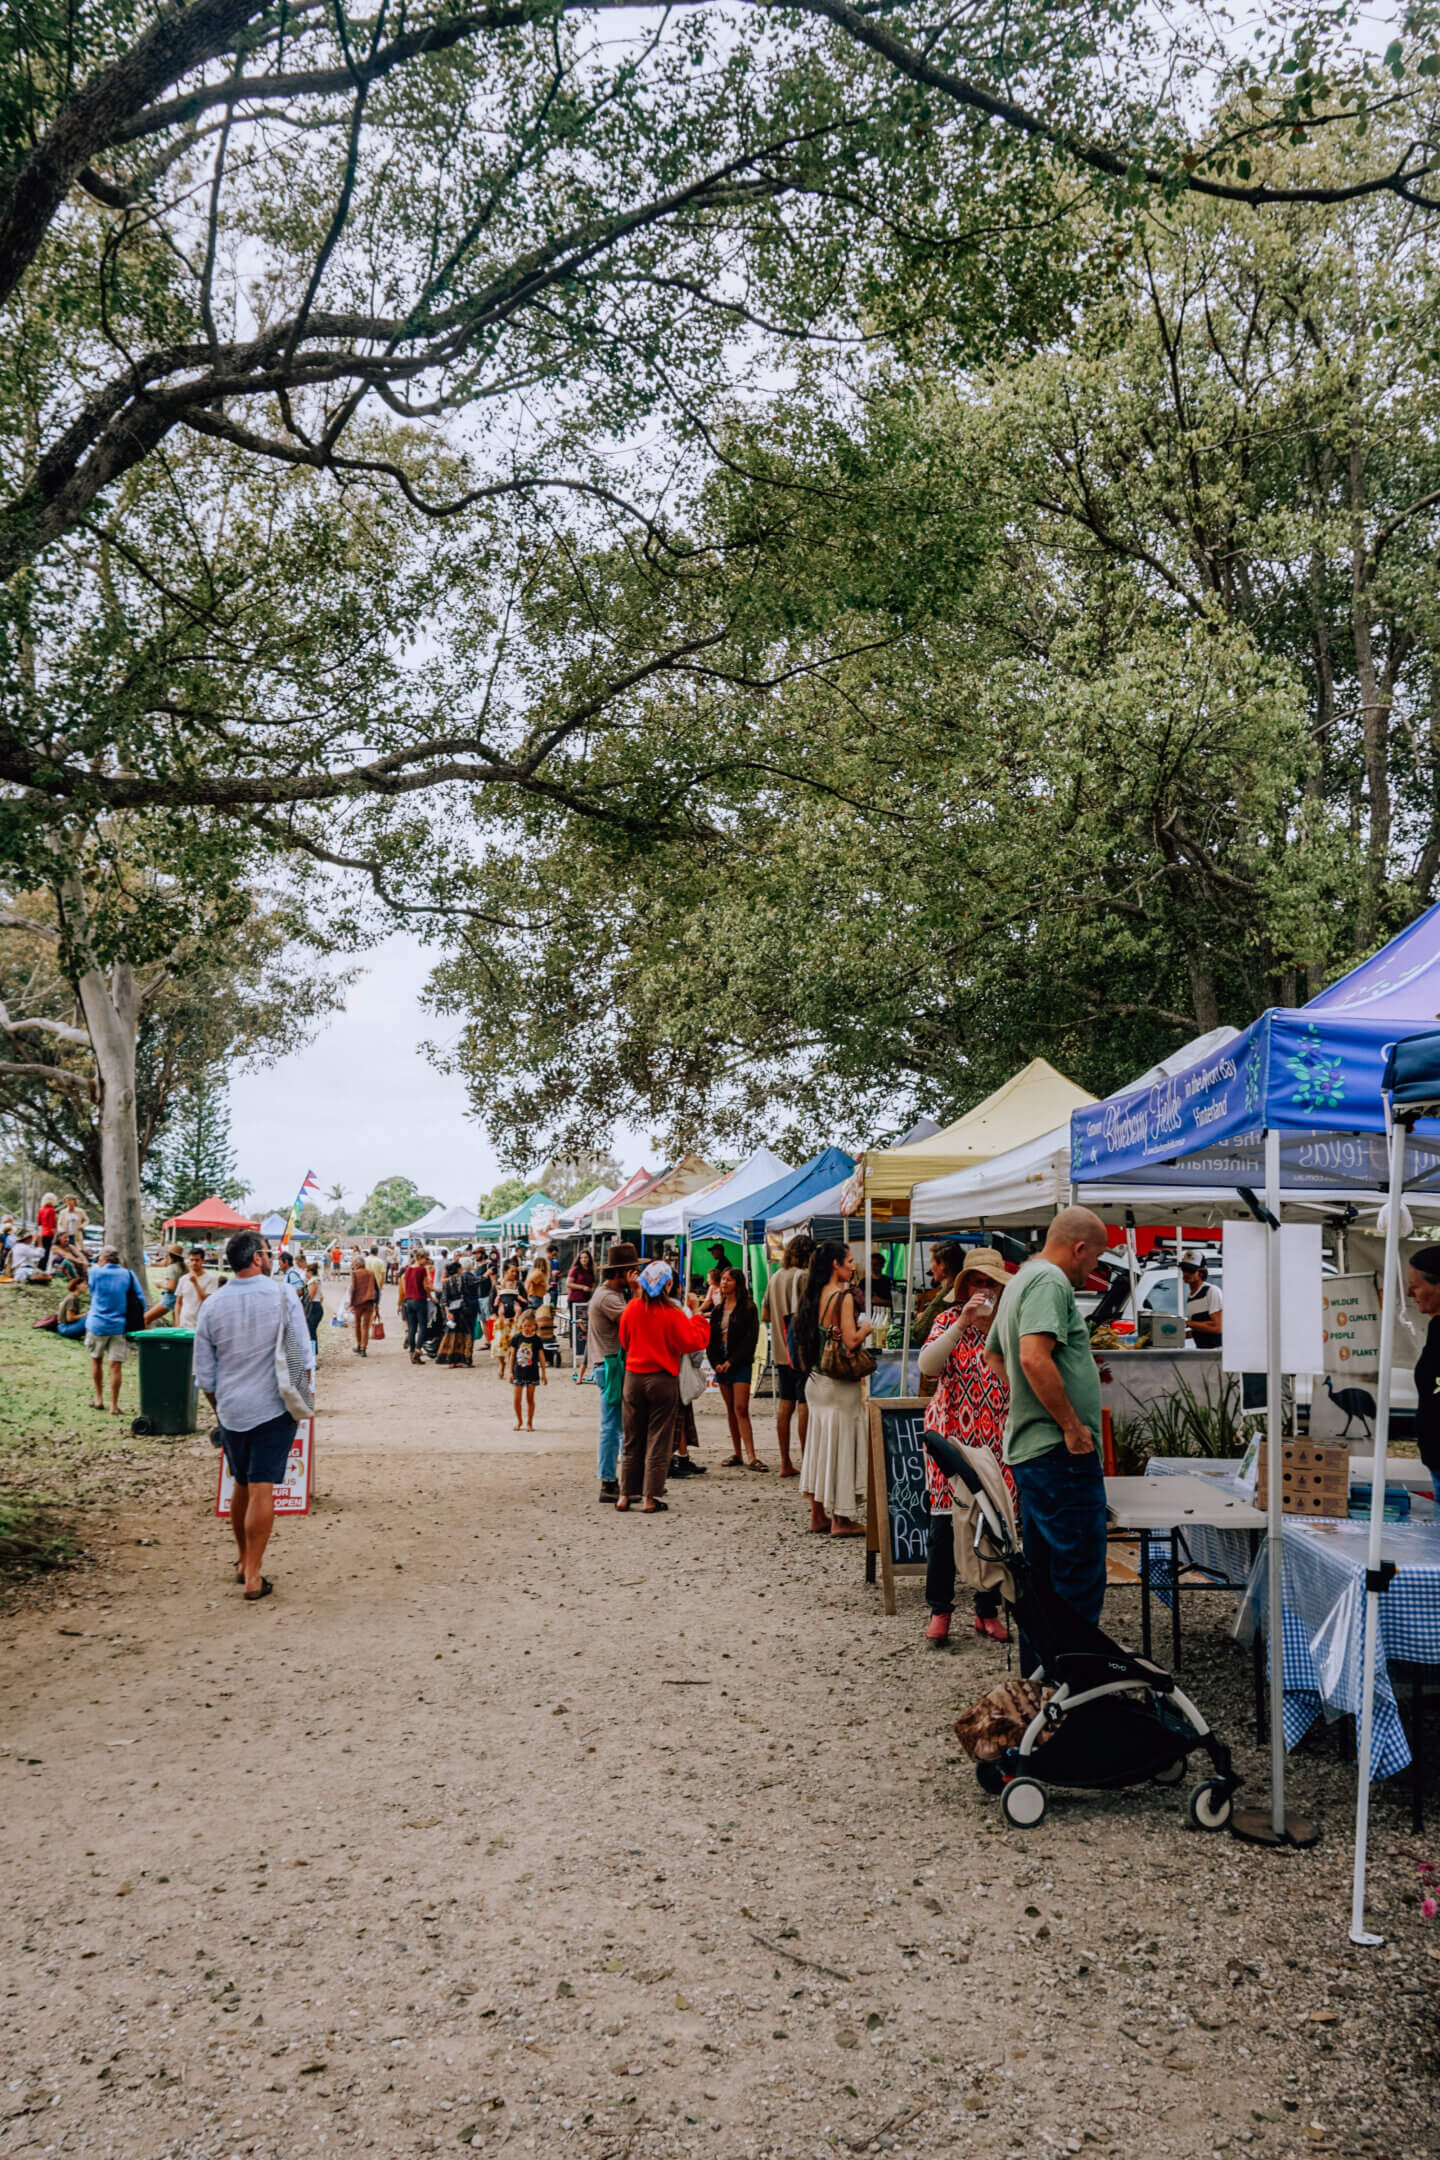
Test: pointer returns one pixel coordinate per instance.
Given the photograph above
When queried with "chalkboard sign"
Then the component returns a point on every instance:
(899, 1521)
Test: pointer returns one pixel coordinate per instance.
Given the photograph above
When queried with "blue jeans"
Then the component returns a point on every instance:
(607, 1453)
(1062, 1524)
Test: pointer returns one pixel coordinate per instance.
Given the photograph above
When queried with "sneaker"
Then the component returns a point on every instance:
(938, 1631)
(609, 1491)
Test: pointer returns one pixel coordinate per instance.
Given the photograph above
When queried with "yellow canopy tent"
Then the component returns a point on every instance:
(1035, 1101)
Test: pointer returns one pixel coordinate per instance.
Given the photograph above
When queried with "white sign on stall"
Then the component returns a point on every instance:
(1351, 1307)
(1245, 1343)
(291, 1498)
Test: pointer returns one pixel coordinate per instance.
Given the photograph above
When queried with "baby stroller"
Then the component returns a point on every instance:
(1111, 1719)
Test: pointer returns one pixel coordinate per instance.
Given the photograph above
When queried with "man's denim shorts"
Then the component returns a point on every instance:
(258, 1457)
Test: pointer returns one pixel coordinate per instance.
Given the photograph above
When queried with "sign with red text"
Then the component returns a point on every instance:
(291, 1498)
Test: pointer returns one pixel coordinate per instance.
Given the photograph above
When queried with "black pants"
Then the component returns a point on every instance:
(416, 1312)
(940, 1573)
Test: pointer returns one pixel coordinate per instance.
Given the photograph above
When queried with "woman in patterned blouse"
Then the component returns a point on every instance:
(968, 1408)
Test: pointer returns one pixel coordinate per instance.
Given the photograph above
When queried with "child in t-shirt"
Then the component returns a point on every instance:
(527, 1367)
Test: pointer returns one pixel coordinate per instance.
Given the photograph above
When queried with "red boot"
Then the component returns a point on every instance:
(994, 1628)
(938, 1631)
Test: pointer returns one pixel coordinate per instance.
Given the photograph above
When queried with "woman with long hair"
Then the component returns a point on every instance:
(509, 1304)
(654, 1335)
(734, 1333)
(450, 1291)
(968, 1408)
(833, 1472)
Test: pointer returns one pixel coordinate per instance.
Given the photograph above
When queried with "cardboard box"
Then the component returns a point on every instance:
(1314, 1478)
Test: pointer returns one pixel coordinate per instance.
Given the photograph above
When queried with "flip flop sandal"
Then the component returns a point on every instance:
(757, 1465)
(733, 1462)
(656, 1507)
(267, 1589)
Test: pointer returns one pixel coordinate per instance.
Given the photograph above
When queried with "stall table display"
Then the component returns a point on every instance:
(1325, 1609)
(1176, 1509)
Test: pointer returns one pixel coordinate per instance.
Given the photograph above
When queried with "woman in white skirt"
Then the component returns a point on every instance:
(837, 1443)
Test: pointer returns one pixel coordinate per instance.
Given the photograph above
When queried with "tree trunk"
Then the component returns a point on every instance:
(1374, 715)
(111, 1011)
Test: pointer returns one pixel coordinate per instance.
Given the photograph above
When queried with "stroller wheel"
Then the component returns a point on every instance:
(1172, 1774)
(989, 1777)
(1023, 1803)
(1209, 1805)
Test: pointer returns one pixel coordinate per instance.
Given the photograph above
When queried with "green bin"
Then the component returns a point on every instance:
(167, 1380)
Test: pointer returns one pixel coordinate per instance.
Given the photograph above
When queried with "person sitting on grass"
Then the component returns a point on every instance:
(70, 1319)
(527, 1367)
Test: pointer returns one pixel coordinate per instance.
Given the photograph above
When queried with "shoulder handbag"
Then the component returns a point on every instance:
(291, 1376)
(837, 1360)
(134, 1308)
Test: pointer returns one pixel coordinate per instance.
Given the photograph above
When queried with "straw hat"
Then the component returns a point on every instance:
(985, 1260)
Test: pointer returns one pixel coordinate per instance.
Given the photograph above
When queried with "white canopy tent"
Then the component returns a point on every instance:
(1024, 1186)
(674, 1219)
(425, 1224)
(456, 1222)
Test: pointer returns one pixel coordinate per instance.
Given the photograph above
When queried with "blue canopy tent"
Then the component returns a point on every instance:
(1292, 1110)
(745, 1218)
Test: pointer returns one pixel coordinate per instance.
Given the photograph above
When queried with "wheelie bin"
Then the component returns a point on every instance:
(168, 1401)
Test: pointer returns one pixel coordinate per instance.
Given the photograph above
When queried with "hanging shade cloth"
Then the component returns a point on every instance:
(715, 1203)
(1035, 1101)
(746, 1218)
(212, 1214)
(1027, 1184)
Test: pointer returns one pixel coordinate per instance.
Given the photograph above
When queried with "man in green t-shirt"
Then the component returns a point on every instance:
(1039, 1345)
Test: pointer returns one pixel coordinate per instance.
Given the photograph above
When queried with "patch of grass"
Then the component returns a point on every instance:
(59, 1459)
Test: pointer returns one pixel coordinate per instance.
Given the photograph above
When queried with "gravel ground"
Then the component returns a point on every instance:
(676, 1853)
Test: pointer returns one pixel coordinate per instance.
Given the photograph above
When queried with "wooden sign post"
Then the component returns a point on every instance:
(897, 1519)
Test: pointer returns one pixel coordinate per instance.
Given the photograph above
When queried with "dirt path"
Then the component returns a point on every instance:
(674, 1854)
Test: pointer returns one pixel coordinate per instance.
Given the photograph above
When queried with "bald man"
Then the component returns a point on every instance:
(1040, 1346)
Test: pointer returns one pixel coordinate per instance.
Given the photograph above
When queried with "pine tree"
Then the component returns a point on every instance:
(194, 1158)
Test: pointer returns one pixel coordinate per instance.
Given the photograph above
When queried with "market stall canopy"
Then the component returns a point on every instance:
(213, 1214)
(1312, 1074)
(623, 1210)
(747, 1218)
(924, 1128)
(1034, 1101)
(716, 1201)
(522, 1218)
(800, 1214)
(422, 1225)
(454, 1222)
(572, 1216)
(273, 1226)
(1026, 1185)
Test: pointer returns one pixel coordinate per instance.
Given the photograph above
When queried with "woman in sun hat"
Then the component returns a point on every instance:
(968, 1408)
(654, 1335)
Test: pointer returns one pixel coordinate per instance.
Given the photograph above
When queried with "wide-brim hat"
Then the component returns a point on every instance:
(985, 1260)
(620, 1257)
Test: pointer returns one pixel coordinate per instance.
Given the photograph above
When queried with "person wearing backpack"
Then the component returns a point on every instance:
(117, 1308)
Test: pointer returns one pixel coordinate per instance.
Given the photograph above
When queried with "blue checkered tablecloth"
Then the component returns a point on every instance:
(1324, 1566)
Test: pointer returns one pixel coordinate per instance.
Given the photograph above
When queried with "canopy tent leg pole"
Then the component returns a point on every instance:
(1276, 1828)
(909, 1310)
(1391, 1295)
(1131, 1265)
(868, 1262)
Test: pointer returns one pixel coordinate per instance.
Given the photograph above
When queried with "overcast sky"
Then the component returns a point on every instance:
(363, 1102)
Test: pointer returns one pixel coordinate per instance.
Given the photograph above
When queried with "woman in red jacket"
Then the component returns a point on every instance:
(654, 1335)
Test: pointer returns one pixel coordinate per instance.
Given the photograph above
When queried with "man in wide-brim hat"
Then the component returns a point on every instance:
(617, 1284)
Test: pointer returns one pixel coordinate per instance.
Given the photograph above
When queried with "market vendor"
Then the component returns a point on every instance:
(1203, 1304)
(1423, 1287)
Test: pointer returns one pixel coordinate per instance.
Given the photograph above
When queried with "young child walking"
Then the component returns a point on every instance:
(527, 1367)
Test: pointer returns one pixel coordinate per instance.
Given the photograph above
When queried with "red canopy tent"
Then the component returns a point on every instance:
(212, 1217)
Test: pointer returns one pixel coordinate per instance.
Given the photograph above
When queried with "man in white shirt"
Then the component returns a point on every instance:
(194, 1286)
(236, 1338)
(1203, 1304)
